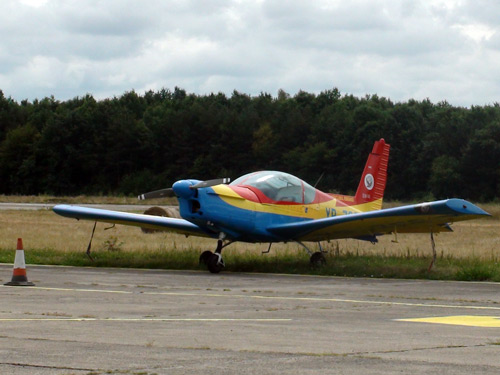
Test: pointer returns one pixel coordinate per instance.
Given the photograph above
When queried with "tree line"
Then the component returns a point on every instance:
(135, 143)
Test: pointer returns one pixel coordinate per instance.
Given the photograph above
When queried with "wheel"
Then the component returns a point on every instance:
(318, 259)
(205, 256)
(215, 263)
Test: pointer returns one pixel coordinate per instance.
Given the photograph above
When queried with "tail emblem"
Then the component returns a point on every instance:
(369, 181)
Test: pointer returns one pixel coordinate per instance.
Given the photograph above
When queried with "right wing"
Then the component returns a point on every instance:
(418, 218)
(139, 220)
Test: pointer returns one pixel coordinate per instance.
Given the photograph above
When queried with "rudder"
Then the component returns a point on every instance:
(372, 184)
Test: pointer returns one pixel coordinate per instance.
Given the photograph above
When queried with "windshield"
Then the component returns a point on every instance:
(278, 186)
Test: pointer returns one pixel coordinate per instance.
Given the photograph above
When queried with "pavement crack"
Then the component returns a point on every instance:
(31, 365)
(417, 349)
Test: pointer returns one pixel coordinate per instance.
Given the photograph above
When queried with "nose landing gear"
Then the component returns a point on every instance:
(214, 261)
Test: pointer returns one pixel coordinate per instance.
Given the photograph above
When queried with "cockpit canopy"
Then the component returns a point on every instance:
(278, 186)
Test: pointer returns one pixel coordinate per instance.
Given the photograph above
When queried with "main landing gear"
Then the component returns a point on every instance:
(317, 258)
(214, 261)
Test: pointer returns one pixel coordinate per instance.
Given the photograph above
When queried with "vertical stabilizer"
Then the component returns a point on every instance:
(372, 184)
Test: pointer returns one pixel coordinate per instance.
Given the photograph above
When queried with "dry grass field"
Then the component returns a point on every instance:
(43, 229)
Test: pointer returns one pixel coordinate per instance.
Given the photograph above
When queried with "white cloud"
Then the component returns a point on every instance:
(476, 32)
(441, 49)
(34, 3)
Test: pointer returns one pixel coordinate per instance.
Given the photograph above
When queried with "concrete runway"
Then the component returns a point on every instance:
(99, 321)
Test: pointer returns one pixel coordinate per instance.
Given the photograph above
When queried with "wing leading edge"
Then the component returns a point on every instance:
(116, 217)
(418, 218)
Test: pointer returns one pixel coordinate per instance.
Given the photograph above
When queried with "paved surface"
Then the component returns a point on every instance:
(100, 321)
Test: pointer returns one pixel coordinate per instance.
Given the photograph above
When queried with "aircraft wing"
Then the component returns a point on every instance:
(139, 220)
(418, 218)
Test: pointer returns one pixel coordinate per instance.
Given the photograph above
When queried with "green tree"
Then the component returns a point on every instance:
(445, 180)
(480, 164)
(18, 171)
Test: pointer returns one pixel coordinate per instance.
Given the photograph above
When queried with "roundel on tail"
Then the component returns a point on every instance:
(369, 181)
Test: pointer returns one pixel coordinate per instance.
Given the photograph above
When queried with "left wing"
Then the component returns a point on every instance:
(116, 217)
(418, 218)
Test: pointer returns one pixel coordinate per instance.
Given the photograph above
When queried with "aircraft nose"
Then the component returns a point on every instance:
(183, 189)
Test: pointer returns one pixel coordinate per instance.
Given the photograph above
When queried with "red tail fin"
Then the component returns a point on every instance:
(372, 185)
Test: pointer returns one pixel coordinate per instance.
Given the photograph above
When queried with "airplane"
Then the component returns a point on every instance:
(273, 206)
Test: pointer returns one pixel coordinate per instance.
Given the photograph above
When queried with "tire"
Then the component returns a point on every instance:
(215, 263)
(318, 259)
(205, 256)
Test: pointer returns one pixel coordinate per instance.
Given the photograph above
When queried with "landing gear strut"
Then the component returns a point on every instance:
(215, 263)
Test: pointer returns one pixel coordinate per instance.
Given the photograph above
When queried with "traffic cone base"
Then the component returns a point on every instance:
(19, 283)
(19, 277)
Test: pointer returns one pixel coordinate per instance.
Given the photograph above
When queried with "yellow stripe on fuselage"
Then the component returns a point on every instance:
(310, 211)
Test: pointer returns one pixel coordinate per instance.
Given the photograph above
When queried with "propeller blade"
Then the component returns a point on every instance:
(169, 192)
(162, 193)
(204, 184)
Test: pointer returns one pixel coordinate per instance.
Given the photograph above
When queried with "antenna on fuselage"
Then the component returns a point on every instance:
(319, 179)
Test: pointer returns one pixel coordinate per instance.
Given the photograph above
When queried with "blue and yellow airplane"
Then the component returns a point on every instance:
(271, 206)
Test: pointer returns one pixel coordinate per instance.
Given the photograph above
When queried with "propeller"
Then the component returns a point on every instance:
(179, 188)
(162, 193)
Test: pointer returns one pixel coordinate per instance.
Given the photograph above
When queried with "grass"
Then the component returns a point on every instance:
(279, 262)
(470, 253)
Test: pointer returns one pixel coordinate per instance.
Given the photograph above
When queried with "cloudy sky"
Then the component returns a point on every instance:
(436, 49)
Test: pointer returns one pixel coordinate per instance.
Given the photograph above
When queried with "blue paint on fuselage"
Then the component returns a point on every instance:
(207, 210)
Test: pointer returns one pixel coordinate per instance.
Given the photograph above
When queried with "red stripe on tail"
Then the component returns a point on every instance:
(372, 184)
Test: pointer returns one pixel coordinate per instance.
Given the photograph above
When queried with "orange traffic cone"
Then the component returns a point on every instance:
(19, 277)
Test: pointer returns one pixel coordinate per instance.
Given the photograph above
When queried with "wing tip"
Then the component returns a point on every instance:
(464, 207)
